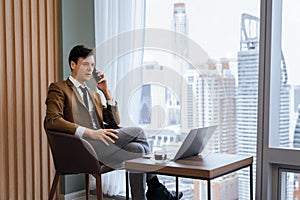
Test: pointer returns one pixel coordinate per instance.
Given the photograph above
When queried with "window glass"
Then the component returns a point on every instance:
(285, 90)
(289, 130)
(222, 91)
(290, 185)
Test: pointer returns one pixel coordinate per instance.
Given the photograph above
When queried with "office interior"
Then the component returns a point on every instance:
(36, 36)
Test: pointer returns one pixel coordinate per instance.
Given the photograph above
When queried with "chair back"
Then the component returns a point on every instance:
(72, 154)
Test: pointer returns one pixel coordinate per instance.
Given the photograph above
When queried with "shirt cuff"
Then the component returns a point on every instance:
(111, 102)
(79, 131)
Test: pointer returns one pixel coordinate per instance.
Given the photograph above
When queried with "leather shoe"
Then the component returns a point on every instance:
(162, 193)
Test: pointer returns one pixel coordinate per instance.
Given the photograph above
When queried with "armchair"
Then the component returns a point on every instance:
(74, 155)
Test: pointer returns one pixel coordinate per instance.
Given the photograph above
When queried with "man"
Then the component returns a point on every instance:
(73, 108)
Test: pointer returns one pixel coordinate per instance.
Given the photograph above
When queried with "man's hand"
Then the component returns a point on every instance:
(102, 85)
(104, 135)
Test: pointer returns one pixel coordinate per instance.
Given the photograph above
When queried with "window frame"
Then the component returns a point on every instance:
(271, 162)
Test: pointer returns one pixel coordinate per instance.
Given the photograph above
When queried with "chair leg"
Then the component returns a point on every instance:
(98, 186)
(87, 186)
(54, 185)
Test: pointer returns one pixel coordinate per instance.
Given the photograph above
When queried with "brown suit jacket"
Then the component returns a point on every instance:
(66, 109)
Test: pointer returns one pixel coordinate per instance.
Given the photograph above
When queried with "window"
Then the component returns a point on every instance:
(285, 83)
(224, 90)
(199, 67)
(278, 115)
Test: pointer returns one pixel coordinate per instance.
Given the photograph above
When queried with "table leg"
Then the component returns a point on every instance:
(251, 182)
(208, 190)
(127, 185)
(177, 192)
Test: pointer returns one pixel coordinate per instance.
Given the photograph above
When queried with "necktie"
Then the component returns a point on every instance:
(92, 114)
(85, 99)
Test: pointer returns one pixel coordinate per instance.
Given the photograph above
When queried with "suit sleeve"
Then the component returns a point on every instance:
(54, 119)
(111, 116)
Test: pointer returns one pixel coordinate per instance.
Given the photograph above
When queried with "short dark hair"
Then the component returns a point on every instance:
(79, 51)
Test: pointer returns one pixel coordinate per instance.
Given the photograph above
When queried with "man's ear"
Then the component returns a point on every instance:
(73, 65)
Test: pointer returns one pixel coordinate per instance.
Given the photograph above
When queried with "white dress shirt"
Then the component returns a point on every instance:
(80, 129)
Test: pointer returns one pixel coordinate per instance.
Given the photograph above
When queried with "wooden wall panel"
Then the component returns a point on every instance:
(27, 98)
(29, 55)
(18, 46)
(10, 99)
(3, 108)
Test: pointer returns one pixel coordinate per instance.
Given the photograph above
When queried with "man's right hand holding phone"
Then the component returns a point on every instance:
(96, 75)
(102, 83)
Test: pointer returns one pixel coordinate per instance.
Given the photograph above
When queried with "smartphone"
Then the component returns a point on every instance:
(95, 75)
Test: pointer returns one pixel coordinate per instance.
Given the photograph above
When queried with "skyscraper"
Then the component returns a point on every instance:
(227, 136)
(180, 28)
(285, 106)
(180, 20)
(180, 46)
(221, 109)
(246, 110)
(247, 98)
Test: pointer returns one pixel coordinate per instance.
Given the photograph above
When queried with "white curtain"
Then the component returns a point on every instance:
(119, 38)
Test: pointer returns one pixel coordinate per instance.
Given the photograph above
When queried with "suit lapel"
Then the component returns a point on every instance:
(96, 104)
(75, 92)
(91, 96)
(93, 100)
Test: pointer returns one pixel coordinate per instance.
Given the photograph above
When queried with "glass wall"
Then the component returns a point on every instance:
(222, 91)
(178, 65)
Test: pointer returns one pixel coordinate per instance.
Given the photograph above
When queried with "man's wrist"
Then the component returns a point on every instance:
(107, 95)
(87, 133)
(80, 130)
(111, 102)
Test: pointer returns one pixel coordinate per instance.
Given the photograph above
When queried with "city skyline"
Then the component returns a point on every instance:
(218, 32)
(247, 95)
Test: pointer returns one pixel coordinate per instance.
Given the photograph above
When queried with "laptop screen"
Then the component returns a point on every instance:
(195, 142)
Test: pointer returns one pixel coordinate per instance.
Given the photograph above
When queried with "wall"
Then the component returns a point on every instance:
(76, 26)
(29, 62)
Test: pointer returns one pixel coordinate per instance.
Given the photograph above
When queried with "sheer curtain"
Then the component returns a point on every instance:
(119, 37)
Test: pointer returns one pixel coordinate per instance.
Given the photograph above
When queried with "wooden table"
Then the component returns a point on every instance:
(211, 166)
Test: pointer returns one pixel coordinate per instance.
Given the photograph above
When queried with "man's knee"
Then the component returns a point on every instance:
(135, 147)
(139, 131)
(135, 132)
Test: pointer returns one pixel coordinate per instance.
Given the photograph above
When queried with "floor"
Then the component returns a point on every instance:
(93, 197)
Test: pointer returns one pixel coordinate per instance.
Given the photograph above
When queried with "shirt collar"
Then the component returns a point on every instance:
(76, 83)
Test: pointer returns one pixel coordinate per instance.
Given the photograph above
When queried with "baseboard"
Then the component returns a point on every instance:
(81, 195)
(72, 196)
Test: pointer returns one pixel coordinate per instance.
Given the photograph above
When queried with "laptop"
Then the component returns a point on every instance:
(194, 143)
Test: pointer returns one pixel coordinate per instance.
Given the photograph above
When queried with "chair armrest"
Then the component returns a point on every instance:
(89, 147)
(72, 154)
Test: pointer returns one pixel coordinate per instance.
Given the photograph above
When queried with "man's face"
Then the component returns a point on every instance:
(82, 71)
